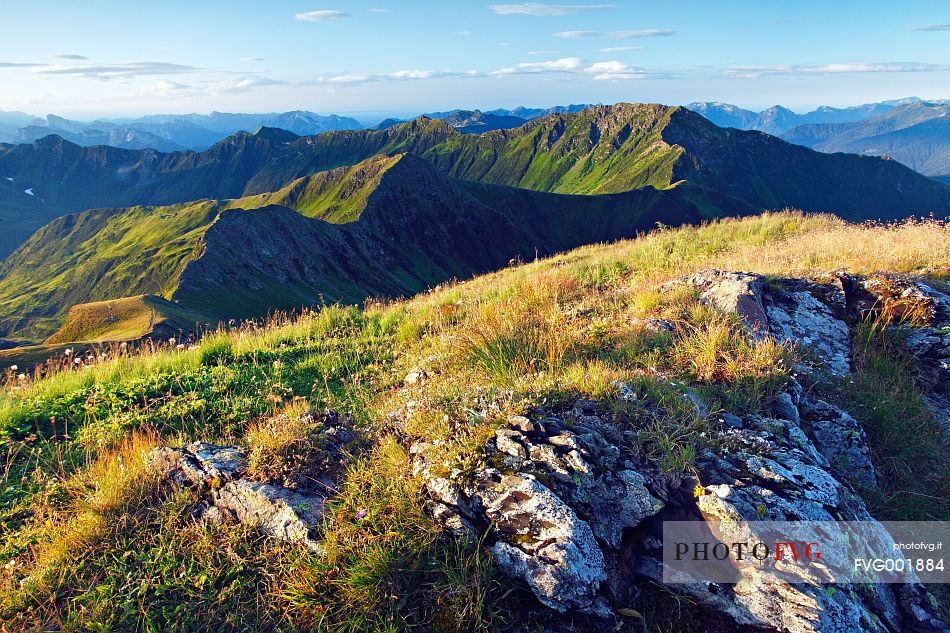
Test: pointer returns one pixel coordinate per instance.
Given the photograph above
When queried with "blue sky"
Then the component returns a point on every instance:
(86, 58)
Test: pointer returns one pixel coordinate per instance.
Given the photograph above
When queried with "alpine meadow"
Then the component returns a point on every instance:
(474, 318)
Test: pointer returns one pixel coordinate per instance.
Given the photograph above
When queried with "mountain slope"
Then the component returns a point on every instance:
(125, 319)
(917, 135)
(20, 214)
(603, 149)
(385, 227)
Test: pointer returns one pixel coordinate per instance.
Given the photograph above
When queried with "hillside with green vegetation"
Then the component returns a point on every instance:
(114, 322)
(125, 319)
(605, 339)
(388, 226)
(599, 150)
(20, 214)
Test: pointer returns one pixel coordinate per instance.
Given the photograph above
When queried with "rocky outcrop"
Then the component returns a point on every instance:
(553, 492)
(789, 310)
(229, 493)
(275, 511)
(571, 505)
(572, 509)
(797, 315)
(817, 316)
(841, 440)
(739, 293)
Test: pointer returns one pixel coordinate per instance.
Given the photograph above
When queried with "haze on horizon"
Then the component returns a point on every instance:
(110, 58)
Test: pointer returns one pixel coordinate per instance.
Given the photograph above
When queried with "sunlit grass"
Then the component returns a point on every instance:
(84, 528)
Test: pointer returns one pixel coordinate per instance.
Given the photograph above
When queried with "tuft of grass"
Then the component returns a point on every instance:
(100, 501)
(522, 334)
(215, 349)
(740, 372)
(386, 567)
(285, 447)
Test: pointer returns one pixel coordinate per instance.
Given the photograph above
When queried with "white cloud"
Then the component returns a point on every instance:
(411, 74)
(250, 59)
(612, 70)
(70, 56)
(616, 35)
(107, 72)
(618, 49)
(615, 71)
(397, 75)
(321, 15)
(247, 83)
(576, 35)
(21, 65)
(164, 88)
(539, 9)
(565, 64)
(380, 10)
(346, 78)
(754, 72)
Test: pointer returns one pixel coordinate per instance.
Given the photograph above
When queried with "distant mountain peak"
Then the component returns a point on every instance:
(276, 135)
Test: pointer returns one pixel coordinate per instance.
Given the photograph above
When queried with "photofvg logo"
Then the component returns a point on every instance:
(808, 552)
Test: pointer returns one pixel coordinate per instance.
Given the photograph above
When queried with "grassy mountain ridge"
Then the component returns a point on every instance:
(603, 149)
(389, 226)
(97, 255)
(111, 253)
(125, 319)
(768, 173)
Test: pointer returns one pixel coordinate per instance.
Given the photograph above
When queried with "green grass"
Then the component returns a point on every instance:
(90, 541)
(117, 254)
(907, 442)
(125, 319)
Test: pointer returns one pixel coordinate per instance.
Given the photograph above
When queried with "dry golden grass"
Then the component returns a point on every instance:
(99, 500)
(867, 248)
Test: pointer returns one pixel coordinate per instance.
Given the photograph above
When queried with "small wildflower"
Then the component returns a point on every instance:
(68, 352)
(361, 514)
(13, 368)
(21, 377)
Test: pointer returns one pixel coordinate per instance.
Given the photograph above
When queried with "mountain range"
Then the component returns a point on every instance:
(778, 119)
(175, 132)
(274, 220)
(166, 132)
(912, 131)
(467, 121)
(477, 121)
(915, 134)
